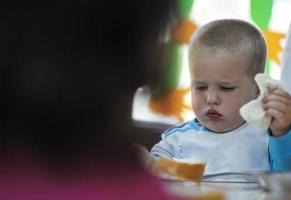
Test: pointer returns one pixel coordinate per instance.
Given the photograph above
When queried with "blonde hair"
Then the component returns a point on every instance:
(236, 39)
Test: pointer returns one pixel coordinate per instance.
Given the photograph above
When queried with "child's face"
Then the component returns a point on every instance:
(219, 89)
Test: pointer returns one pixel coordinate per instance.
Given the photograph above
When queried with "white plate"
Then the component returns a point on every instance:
(279, 182)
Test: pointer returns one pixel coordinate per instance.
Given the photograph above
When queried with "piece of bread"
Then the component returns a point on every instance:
(180, 169)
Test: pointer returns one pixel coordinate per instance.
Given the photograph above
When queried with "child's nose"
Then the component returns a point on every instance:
(213, 97)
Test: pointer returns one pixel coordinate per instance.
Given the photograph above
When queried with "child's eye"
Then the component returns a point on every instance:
(201, 88)
(227, 89)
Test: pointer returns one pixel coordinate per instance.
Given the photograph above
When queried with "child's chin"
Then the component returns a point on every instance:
(222, 129)
(219, 129)
(217, 126)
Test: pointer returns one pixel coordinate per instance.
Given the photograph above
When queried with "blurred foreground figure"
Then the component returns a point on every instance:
(68, 76)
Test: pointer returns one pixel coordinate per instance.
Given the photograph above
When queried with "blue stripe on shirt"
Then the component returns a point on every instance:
(192, 124)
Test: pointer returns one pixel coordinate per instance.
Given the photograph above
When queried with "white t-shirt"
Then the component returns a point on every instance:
(243, 150)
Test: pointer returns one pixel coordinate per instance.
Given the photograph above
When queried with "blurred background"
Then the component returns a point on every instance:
(170, 103)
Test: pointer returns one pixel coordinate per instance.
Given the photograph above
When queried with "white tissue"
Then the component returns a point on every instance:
(253, 111)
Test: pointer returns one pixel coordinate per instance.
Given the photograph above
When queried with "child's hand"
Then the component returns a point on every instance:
(278, 106)
(145, 157)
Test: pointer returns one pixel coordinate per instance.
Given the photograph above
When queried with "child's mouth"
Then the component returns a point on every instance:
(213, 115)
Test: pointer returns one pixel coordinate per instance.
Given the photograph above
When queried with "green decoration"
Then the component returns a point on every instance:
(171, 61)
(267, 68)
(175, 61)
(185, 7)
(261, 11)
(169, 69)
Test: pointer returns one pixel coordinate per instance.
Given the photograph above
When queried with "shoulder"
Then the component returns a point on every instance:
(191, 125)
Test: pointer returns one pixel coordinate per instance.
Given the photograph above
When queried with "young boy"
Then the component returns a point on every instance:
(224, 57)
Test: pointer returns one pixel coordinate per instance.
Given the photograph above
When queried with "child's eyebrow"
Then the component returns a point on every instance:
(222, 82)
(195, 82)
(229, 82)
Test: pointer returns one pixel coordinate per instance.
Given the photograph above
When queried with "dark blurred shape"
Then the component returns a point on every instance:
(68, 74)
(69, 71)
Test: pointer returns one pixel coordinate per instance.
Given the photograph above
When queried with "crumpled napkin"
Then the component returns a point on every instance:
(253, 111)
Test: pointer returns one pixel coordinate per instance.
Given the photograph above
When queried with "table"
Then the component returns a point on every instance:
(222, 190)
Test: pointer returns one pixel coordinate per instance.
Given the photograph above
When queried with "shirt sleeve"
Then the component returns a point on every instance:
(163, 148)
(280, 152)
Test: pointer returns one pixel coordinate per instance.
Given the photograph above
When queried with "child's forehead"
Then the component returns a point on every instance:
(218, 66)
(217, 60)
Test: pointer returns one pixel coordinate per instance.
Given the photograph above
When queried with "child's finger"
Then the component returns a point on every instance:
(277, 98)
(280, 92)
(275, 113)
(277, 105)
(280, 122)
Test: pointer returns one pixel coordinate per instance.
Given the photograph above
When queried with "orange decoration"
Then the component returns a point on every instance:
(273, 43)
(172, 104)
(182, 32)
